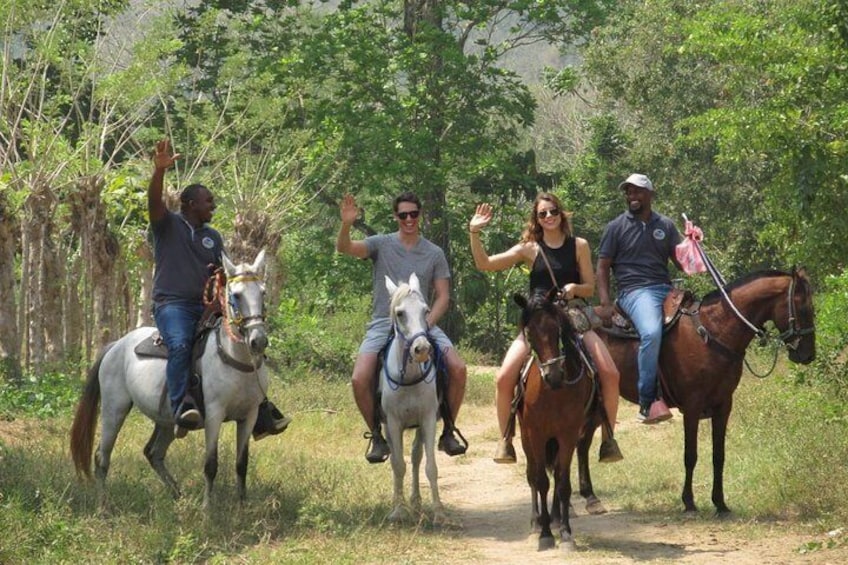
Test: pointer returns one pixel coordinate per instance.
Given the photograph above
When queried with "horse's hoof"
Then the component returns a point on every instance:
(595, 507)
(398, 515)
(567, 545)
(546, 542)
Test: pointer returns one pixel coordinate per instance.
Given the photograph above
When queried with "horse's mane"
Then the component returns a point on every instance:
(716, 295)
(540, 301)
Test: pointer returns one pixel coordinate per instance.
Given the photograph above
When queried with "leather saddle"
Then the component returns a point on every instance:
(673, 307)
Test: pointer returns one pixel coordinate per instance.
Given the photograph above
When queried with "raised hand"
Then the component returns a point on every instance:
(349, 211)
(162, 157)
(481, 218)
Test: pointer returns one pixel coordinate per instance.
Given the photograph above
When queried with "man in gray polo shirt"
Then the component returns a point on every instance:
(398, 255)
(637, 246)
(186, 249)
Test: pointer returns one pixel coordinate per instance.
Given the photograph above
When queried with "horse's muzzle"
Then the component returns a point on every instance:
(420, 350)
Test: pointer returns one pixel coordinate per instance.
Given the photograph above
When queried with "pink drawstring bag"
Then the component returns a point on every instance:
(688, 253)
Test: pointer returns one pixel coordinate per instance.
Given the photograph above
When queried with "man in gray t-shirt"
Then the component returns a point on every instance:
(398, 255)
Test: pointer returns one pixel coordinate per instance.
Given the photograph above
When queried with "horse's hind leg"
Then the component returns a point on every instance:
(155, 450)
(112, 418)
(587, 491)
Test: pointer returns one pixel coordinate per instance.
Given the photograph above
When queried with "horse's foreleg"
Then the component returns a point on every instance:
(428, 430)
(210, 466)
(417, 454)
(563, 487)
(690, 456)
(243, 431)
(540, 479)
(155, 450)
(719, 422)
(394, 436)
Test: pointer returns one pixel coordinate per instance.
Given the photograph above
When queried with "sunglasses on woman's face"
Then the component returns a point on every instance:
(542, 214)
(404, 215)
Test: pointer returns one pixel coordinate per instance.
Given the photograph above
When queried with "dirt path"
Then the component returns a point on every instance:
(496, 521)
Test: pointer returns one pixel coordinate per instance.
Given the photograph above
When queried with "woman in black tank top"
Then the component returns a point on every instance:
(548, 232)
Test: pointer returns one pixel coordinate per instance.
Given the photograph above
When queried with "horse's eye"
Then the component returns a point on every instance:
(401, 314)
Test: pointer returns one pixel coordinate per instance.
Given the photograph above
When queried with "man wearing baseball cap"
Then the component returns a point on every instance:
(637, 246)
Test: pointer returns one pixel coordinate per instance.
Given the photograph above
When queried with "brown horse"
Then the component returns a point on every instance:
(702, 356)
(559, 392)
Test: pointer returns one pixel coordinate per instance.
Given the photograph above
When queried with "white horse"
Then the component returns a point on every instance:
(234, 381)
(409, 397)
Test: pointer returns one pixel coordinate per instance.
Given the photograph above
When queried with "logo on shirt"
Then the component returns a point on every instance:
(209, 243)
(659, 234)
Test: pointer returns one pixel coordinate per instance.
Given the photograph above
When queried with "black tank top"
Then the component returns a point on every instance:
(563, 262)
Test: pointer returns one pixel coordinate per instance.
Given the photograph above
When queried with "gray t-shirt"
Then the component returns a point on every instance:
(391, 258)
(182, 255)
(640, 251)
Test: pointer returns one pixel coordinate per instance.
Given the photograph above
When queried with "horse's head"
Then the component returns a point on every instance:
(795, 318)
(408, 311)
(550, 336)
(246, 301)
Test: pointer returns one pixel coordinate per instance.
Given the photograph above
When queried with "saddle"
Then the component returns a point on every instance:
(674, 306)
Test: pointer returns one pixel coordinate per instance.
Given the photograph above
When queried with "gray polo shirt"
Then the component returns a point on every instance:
(182, 254)
(639, 251)
(390, 257)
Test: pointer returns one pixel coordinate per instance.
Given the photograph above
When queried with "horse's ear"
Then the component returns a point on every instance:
(229, 268)
(520, 300)
(413, 283)
(259, 263)
(390, 286)
(551, 295)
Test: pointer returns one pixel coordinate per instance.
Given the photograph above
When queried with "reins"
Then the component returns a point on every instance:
(792, 331)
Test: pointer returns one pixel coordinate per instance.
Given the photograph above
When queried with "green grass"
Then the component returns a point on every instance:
(312, 498)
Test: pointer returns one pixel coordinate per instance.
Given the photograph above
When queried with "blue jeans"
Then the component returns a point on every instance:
(644, 306)
(176, 322)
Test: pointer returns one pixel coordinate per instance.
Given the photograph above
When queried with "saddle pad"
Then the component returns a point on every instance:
(153, 346)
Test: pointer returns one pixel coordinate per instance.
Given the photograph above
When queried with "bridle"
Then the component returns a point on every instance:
(791, 338)
(427, 368)
(233, 315)
(560, 359)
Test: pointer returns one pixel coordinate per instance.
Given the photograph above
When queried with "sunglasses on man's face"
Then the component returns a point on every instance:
(542, 214)
(413, 214)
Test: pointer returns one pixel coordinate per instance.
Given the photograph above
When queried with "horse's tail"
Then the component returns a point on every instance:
(85, 420)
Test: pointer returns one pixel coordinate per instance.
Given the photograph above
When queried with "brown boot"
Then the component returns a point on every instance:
(505, 452)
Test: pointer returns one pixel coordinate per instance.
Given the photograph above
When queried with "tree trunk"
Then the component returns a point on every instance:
(10, 346)
(99, 250)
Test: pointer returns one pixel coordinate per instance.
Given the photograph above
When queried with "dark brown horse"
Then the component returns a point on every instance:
(702, 356)
(559, 392)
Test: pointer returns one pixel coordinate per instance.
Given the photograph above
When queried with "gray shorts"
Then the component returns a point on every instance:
(379, 330)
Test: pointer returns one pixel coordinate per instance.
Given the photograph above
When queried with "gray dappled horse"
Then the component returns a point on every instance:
(409, 397)
(234, 381)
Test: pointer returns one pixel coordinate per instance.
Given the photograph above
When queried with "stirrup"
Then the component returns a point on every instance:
(372, 455)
